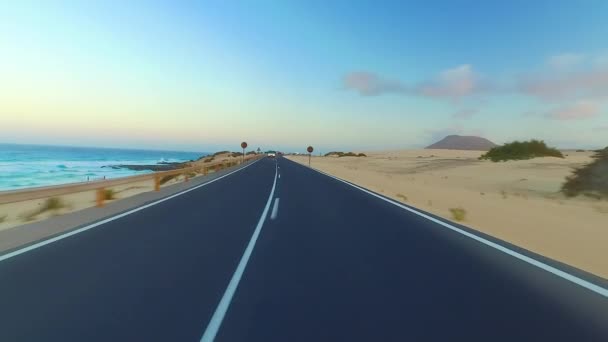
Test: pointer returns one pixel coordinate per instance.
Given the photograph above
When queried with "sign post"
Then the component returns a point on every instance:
(309, 149)
(243, 146)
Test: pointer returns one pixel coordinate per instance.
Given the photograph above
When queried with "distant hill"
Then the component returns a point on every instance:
(459, 142)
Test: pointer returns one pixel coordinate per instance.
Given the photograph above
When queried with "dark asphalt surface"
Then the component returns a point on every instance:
(335, 265)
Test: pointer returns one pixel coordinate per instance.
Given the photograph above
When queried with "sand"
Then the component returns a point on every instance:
(516, 201)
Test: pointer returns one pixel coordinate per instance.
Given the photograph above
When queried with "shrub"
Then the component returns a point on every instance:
(220, 152)
(167, 178)
(250, 152)
(109, 194)
(521, 150)
(580, 150)
(208, 160)
(3, 218)
(402, 196)
(458, 214)
(344, 154)
(591, 179)
(51, 204)
(236, 154)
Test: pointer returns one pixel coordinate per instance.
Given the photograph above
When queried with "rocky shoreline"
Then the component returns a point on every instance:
(156, 167)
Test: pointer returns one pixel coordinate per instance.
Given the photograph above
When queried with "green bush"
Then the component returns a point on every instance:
(109, 194)
(458, 214)
(3, 218)
(344, 154)
(591, 179)
(521, 150)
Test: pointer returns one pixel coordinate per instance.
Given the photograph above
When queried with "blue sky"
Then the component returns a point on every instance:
(283, 74)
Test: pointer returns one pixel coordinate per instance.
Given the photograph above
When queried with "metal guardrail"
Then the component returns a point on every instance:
(13, 196)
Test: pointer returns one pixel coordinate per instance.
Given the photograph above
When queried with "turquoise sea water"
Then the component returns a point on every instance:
(25, 166)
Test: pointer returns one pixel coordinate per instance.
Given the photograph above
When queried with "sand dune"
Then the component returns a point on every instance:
(517, 201)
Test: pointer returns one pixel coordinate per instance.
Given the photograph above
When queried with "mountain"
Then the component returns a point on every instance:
(458, 142)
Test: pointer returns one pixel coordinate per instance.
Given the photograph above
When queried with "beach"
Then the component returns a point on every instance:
(516, 201)
(27, 166)
(13, 214)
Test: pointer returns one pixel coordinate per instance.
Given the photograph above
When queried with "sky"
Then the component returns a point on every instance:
(337, 75)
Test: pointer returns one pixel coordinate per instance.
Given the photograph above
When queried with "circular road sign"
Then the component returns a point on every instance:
(243, 145)
(309, 149)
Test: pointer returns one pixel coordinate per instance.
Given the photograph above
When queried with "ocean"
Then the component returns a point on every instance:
(26, 166)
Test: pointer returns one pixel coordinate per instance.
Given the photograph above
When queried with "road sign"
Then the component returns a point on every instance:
(309, 149)
(244, 146)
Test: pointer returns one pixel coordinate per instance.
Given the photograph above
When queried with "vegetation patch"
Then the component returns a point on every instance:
(236, 154)
(402, 197)
(53, 204)
(458, 214)
(3, 218)
(590, 180)
(521, 150)
(109, 194)
(167, 178)
(220, 152)
(210, 159)
(344, 154)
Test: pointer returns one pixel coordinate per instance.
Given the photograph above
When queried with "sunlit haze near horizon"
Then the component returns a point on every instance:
(204, 76)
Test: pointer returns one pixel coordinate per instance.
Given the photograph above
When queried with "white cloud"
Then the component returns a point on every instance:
(369, 84)
(578, 111)
(452, 83)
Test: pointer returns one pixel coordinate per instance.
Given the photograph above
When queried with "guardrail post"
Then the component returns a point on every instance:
(101, 196)
(156, 183)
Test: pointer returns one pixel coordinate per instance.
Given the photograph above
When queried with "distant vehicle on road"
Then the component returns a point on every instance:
(271, 154)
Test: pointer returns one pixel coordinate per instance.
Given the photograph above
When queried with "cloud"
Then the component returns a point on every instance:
(453, 84)
(465, 113)
(578, 111)
(370, 84)
(568, 85)
(566, 60)
(572, 76)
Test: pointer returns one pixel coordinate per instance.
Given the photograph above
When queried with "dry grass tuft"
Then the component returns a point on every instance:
(458, 214)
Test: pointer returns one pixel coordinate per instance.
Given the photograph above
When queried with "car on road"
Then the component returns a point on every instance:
(271, 154)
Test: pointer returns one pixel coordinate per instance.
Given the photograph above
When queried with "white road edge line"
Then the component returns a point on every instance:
(567, 276)
(275, 209)
(218, 316)
(96, 224)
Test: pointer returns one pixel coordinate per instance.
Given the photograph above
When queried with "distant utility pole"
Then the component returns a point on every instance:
(244, 146)
(309, 149)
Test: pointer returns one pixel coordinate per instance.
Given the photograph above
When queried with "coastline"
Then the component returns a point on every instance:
(31, 166)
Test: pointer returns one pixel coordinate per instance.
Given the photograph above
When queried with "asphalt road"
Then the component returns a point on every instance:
(280, 252)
